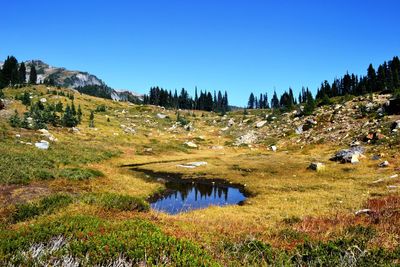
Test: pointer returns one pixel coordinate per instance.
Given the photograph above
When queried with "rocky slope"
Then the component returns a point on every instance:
(75, 79)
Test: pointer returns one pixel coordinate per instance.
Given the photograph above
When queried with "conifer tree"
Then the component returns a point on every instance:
(33, 75)
(22, 73)
(250, 103)
(91, 119)
(79, 114)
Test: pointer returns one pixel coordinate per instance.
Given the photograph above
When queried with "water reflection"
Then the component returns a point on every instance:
(184, 196)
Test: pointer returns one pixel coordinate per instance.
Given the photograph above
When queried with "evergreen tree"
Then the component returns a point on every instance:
(79, 114)
(91, 119)
(371, 75)
(310, 104)
(10, 71)
(69, 120)
(33, 75)
(251, 102)
(275, 101)
(22, 73)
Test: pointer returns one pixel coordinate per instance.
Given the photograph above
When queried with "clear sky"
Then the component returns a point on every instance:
(238, 46)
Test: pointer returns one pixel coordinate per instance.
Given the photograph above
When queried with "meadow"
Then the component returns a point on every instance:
(81, 200)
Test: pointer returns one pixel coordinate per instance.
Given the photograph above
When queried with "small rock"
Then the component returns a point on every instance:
(274, 148)
(42, 145)
(18, 136)
(378, 181)
(192, 165)
(384, 164)
(317, 166)
(363, 211)
(217, 147)
(260, 124)
(394, 176)
(231, 122)
(376, 157)
(43, 100)
(392, 186)
(191, 144)
(161, 116)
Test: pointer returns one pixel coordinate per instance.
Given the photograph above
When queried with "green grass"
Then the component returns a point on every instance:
(79, 174)
(112, 201)
(20, 163)
(92, 241)
(340, 252)
(46, 205)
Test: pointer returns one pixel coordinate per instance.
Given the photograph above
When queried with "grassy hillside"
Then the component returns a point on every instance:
(81, 201)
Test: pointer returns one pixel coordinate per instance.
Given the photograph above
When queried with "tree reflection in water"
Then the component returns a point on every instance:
(184, 196)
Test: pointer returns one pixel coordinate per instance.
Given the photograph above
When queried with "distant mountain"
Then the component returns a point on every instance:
(84, 82)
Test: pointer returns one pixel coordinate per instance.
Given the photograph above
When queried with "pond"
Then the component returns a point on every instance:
(185, 195)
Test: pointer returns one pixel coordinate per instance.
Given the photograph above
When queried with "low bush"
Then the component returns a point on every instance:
(44, 206)
(79, 174)
(89, 241)
(114, 201)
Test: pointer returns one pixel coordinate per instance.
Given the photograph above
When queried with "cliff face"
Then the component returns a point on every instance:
(76, 79)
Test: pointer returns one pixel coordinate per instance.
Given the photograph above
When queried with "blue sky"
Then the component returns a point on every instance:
(238, 46)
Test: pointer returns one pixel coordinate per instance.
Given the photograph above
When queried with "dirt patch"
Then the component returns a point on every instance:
(13, 194)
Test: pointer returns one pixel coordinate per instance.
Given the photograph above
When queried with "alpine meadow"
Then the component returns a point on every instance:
(247, 133)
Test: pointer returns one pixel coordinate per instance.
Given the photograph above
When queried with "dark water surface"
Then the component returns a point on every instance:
(182, 196)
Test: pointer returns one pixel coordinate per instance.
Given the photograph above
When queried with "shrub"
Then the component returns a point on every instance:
(90, 241)
(79, 174)
(114, 201)
(101, 108)
(44, 206)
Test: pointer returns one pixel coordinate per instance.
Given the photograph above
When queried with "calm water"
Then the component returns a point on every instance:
(184, 196)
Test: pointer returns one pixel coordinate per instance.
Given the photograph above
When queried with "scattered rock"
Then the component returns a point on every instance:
(18, 136)
(231, 122)
(392, 187)
(351, 155)
(363, 211)
(260, 124)
(247, 139)
(274, 148)
(384, 164)
(48, 135)
(43, 100)
(395, 126)
(128, 129)
(192, 165)
(217, 147)
(191, 144)
(299, 130)
(376, 157)
(317, 166)
(161, 116)
(394, 176)
(42, 145)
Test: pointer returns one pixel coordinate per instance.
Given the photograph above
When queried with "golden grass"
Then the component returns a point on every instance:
(280, 183)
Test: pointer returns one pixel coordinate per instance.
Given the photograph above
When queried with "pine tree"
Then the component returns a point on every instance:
(310, 104)
(250, 104)
(91, 119)
(33, 75)
(79, 114)
(22, 73)
(371, 85)
(275, 101)
(10, 71)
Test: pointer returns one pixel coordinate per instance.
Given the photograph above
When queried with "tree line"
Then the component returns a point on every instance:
(14, 73)
(385, 79)
(217, 102)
